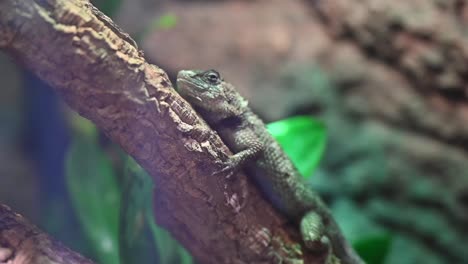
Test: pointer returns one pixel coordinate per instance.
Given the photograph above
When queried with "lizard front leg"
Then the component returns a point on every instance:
(247, 147)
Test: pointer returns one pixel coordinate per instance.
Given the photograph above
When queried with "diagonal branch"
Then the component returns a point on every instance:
(23, 243)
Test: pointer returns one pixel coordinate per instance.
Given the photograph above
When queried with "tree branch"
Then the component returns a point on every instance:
(23, 243)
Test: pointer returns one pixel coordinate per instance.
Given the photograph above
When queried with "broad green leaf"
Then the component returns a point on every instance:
(373, 249)
(82, 127)
(138, 210)
(303, 139)
(95, 194)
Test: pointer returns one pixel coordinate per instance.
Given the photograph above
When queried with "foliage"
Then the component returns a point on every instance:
(373, 249)
(303, 139)
(94, 194)
(163, 22)
(138, 208)
(166, 21)
(118, 221)
(136, 203)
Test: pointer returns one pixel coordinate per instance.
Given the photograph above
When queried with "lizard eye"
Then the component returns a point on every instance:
(212, 76)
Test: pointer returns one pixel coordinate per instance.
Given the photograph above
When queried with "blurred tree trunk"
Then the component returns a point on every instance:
(401, 75)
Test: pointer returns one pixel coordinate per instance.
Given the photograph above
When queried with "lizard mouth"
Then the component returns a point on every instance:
(181, 88)
(198, 98)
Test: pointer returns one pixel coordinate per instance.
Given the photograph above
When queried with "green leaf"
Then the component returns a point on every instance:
(373, 249)
(170, 251)
(82, 127)
(136, 203)
(303, 139)
(166, 21)
(94, 194)
(138, 207)
(137, 195)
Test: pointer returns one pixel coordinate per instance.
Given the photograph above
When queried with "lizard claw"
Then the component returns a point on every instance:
(228, 170)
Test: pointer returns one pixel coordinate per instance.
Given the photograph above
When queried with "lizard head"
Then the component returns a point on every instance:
(200, 86)
(206, 90)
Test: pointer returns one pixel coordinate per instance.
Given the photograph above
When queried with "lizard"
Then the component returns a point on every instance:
(256, 151)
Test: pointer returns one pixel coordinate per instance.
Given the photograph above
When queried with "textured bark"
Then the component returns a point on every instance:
(23, 243)
(102, 75)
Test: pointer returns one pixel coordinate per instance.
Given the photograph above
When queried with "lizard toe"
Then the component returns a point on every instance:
(227, 171)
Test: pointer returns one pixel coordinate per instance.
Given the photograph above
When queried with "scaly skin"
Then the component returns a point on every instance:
(226, 111)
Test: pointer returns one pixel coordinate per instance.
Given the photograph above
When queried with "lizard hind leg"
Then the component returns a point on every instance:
(313, 233)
